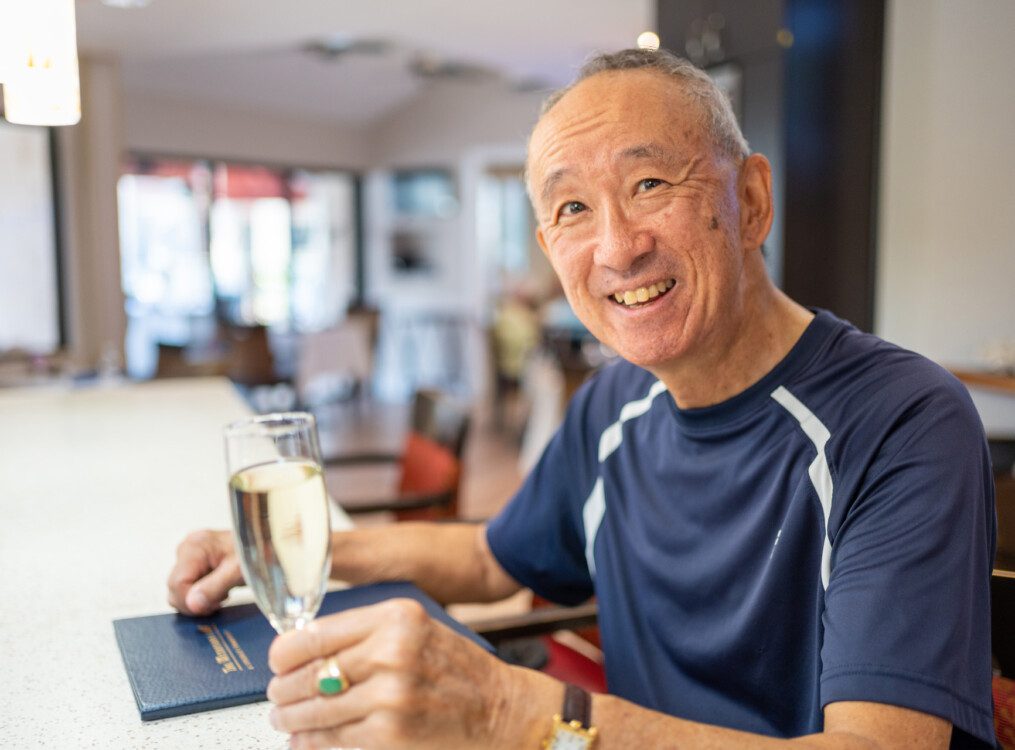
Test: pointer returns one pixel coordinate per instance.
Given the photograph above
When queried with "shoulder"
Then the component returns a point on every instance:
(885, 408)
(859, 378)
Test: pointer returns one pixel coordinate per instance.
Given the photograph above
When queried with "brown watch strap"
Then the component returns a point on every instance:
(577, 705)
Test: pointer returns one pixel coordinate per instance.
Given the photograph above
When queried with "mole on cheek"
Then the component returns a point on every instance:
(714, 224)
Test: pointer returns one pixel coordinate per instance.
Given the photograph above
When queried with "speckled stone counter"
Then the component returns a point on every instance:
(97, 487)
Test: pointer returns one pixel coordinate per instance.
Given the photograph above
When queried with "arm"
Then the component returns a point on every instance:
(451, 562)
(416, 684)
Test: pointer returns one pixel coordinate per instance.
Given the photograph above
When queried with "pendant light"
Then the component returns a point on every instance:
(39, 62)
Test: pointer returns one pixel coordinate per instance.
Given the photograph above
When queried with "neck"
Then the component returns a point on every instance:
(759, 335)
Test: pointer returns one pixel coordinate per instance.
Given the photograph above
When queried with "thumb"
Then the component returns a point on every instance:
(205, 596)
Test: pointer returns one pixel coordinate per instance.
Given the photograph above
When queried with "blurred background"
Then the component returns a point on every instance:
(323, 200)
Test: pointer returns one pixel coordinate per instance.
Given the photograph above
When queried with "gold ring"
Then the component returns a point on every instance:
(330, 680)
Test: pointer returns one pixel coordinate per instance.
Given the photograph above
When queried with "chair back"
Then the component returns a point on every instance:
(334, 364)
(249, 358)
(432, 457)
(440, 418)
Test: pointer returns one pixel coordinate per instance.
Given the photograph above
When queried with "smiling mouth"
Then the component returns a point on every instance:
(643, 294)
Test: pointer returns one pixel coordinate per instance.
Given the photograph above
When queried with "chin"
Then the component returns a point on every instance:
(656, 354)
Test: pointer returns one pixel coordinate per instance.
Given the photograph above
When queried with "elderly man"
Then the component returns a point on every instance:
(788, 523)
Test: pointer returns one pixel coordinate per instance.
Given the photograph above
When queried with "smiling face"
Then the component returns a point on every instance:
(640, 216)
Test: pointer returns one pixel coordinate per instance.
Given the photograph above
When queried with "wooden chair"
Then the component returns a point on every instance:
(249, 360)
(334, 365)
(430, 463)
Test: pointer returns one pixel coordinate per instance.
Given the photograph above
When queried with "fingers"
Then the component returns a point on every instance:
(413, 682)
(203, 555)
(334, 633)
(322, 711)
(358, 734)
(205, 596)
(358, 663)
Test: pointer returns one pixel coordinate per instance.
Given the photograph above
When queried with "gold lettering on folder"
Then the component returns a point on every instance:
(223, 658)
(239, 651)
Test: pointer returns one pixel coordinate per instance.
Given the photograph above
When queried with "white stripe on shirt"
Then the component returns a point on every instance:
(819, 471)
(611, 439)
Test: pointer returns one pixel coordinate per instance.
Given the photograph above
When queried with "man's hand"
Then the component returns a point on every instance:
(206, 568)
(413, 683)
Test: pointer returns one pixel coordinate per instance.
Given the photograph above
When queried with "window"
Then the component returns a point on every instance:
(205, 243)
(29, 278)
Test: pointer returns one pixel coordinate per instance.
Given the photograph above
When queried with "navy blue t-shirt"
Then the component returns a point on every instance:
(826, 535)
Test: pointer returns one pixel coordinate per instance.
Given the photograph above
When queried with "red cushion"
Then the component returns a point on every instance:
(427, 466)
(571, 666)
(1004, 712)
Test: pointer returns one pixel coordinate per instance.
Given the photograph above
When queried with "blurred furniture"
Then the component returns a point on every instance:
(430, 463)
(249, 361)
(1004, 712)
(545, 639)
(175, 362)
(422, 348)
(335, 364)
(99, 486)
(993, 381)
(369, 317)
(507, 388)
(1002, 593)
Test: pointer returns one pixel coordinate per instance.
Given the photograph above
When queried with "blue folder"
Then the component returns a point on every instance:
(180, 665)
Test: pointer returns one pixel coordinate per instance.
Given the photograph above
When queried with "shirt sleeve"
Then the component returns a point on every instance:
(538, 538)
(907, 608)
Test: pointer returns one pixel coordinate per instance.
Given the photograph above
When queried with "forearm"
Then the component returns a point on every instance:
(450, 561)
(524, 720)
(623, 724)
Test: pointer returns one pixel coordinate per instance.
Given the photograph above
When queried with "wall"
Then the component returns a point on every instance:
(946, 266)
(166, 126)
(463, 127)
(448, 119)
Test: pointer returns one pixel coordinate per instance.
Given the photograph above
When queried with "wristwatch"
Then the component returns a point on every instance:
(572, 728)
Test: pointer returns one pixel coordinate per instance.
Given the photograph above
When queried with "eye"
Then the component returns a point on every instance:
(649, 183)
(572, 207)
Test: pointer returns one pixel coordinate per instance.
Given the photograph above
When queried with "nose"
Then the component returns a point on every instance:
(621, 243)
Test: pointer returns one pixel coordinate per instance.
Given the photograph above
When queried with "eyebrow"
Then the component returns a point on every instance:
(551, 182)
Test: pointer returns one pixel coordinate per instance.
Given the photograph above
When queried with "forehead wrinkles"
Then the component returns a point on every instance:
(561, 148)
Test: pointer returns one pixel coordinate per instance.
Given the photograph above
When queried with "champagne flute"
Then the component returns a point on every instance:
(280, 514)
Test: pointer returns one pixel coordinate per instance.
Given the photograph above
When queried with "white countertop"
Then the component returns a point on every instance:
(97, 487)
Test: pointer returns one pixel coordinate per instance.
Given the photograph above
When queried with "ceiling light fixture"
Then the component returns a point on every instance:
(39, 65)
(648, 40)
(127, 3)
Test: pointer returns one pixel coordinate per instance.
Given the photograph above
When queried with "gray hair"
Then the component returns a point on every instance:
(716, 113)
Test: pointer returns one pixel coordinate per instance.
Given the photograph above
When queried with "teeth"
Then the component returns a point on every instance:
(643, 294)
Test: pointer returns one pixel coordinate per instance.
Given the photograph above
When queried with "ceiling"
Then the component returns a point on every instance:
(249, 54)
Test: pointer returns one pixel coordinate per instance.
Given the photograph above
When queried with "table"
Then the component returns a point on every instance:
(97, 487)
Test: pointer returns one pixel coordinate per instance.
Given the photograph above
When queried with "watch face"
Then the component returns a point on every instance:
(566, 738)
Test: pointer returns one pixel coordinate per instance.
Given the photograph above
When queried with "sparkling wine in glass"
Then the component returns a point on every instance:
(280, 514)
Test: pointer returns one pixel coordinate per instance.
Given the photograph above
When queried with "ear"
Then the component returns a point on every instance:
(754, 189)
